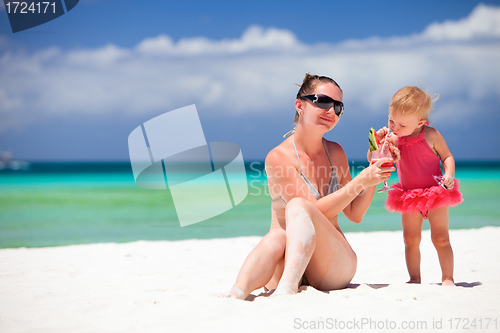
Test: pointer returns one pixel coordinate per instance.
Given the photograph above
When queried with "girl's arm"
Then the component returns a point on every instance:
(438, 144)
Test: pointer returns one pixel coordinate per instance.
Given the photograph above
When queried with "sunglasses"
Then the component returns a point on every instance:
(325, 102)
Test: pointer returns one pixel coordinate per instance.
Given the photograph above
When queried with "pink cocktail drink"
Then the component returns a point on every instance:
(384, 165)
(383, 152)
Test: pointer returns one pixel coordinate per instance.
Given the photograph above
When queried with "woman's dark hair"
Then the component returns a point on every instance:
(310, 83)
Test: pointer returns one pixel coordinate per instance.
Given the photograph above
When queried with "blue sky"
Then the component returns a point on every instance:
(74, 88)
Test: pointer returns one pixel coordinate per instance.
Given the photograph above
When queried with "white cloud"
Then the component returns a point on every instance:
(254, 74)
(254, 38)
(105, 56)
(483, 22)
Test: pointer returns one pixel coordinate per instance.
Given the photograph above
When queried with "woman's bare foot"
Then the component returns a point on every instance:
(414, 281)
(285, 290)
(234, 293)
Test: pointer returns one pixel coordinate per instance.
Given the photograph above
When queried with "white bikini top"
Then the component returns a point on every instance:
(334, 181)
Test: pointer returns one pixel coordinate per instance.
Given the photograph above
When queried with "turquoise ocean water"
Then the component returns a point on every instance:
(55, 204)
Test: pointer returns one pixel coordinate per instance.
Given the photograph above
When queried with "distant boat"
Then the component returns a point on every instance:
(7, 163)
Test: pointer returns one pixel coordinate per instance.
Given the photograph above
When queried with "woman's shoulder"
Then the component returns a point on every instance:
(279, 160)
(279, 154)
(335, 150)
(274, 155)
(332, 145)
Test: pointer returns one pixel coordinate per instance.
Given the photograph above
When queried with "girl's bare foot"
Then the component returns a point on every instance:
(413, 281)
(448, 283)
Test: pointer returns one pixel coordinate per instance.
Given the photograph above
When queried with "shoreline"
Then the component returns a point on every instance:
(425, 228)
(159, 286)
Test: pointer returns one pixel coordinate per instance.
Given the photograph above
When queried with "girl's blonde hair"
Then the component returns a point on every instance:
(412, 100)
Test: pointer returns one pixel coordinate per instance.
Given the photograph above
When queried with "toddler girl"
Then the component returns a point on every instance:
(418, 195)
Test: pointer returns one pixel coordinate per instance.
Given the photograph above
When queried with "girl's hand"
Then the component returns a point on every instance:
(448, 181)
(381, 133)
(396, 154)
(385, 133)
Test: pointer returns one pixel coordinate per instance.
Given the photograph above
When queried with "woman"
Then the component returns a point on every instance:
(310, 183)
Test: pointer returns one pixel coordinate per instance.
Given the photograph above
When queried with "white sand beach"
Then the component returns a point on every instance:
(169, 286)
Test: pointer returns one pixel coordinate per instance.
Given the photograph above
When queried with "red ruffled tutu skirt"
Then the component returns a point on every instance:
(422, 200)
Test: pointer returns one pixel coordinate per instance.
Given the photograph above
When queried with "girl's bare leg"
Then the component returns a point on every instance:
(259, 266)
(412, 234)
(440, 236)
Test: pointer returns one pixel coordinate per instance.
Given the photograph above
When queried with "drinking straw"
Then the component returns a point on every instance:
(385, 141)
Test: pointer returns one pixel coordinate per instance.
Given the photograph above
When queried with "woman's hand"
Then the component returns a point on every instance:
(375, 173)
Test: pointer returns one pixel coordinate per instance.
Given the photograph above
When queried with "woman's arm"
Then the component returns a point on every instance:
(355, 196)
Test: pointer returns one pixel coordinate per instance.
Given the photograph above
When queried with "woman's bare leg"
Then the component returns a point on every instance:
(258, 268)
(438, 219)
(300, 244)
(333, 263)
(412, 234)
(316, 247)
(278, 273)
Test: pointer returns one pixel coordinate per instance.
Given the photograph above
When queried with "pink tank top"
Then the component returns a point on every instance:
(418, 163)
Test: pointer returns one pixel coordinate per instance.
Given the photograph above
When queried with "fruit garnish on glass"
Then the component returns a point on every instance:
(380, 150)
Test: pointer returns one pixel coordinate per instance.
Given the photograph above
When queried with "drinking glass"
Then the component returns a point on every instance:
(383, 152)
